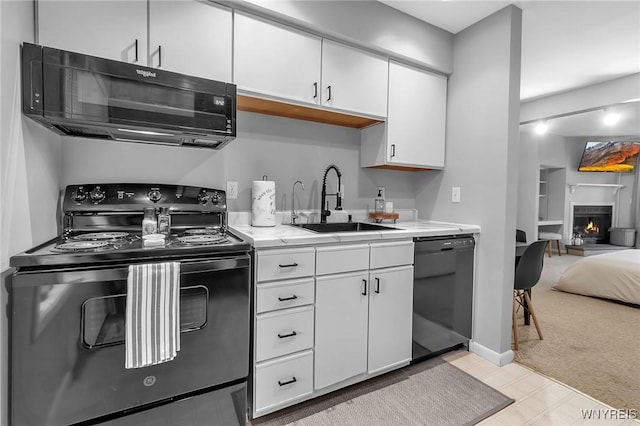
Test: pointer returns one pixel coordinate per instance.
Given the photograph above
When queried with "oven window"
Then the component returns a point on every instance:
(103, 318)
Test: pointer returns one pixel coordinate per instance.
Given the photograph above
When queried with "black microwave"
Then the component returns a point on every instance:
(79, 95)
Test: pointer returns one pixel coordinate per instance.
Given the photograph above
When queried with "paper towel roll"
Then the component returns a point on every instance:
(263, 203)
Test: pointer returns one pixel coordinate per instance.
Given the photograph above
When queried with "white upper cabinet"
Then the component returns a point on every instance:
(277, 61)
(112, 30)
(188, 37)
(286, 64)
(354, 80)
(414, 133)
(191, 38)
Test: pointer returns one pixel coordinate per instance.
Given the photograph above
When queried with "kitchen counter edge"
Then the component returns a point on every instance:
(283, 235)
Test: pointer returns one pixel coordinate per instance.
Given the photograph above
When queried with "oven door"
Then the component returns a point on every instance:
(68, 353)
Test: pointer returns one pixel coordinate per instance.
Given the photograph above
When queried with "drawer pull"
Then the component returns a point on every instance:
(288, 382)
(291, 265)
(282, 299)
(284, 336)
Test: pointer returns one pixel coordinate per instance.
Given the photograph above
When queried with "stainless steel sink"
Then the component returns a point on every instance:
(343, 227)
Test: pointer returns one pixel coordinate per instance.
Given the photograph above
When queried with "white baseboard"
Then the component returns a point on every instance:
(498, 359)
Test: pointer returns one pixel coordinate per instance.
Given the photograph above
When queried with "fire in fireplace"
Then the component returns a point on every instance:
(591, 228)
(592, 223)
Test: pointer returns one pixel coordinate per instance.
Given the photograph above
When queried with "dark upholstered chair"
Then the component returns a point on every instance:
(521, 236)
(527, 275)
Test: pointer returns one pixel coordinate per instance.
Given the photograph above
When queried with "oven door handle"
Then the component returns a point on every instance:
(222, 264)
(86, 275)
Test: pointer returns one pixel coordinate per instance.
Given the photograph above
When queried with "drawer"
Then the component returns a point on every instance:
(391, 254)
(284, 294)
(336, 259)
(285, 263)
(282, 332)
(282, 380)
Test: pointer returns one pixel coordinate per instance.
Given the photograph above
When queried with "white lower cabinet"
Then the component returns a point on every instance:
(283, 332)
(283, 380)
(390, 318)
(356, 325)
(341, 327)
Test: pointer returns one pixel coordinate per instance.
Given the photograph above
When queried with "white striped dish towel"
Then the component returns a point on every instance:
(152, 334)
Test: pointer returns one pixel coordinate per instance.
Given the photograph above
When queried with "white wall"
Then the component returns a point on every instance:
(528, 173)
(29, 164)
(482, 158)
(284, 149)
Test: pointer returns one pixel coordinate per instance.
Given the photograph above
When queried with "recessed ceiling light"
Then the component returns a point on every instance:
(542, 128)
(611, 118)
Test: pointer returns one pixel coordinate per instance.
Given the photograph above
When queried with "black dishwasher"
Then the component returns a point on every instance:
(442, 294)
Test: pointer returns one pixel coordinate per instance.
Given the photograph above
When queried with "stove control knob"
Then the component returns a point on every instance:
(96, 195)
(79, 196)
(154, 195)
(216, 198)
(203, 197)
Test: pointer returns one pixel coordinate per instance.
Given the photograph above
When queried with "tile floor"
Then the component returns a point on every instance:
(539, 400)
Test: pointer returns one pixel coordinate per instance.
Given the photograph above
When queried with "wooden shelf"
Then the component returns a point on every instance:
(613, 186)
(301, 112)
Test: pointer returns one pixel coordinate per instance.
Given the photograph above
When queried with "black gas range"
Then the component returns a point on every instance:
(102, 223)
(68, 313)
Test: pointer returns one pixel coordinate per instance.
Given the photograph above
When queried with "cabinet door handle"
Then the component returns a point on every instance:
(393, 150)
(290, 265)
(364, 291)
(315, 90)
(136, 51)
(284, 336)
(377, 285)
(329, 88)
(282, 299)
(159, 56)
(288, 382)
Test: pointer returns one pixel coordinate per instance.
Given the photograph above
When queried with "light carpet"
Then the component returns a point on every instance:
(590, 344)
(430, 393)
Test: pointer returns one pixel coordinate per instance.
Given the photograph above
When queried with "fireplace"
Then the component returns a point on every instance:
(592, 223)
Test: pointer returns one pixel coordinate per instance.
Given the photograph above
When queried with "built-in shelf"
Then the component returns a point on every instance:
(615, 187)
(550, 222)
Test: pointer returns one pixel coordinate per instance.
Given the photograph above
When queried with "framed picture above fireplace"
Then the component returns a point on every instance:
(609, 156)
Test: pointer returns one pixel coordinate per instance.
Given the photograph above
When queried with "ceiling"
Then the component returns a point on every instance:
(565, 45)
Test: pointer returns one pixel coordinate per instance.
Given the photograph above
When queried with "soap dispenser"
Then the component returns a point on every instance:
(379, 202)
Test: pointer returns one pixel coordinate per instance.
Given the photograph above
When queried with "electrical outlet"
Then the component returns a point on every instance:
(342, 190)
(455, 194)
(232, 190)
(381, 190)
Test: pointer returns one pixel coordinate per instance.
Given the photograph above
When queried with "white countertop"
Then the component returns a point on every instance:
(285, 235)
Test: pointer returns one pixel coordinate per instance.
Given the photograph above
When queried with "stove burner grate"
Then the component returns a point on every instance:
(82, 246)
(206, 239)
(202, 231)
(102, 236)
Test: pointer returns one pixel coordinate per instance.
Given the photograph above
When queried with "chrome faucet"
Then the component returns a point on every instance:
(324, 211)
(294, 215)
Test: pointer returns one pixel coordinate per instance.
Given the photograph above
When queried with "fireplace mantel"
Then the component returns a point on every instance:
(614, 186)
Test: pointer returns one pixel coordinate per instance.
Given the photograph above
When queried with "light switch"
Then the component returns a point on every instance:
(455, 194)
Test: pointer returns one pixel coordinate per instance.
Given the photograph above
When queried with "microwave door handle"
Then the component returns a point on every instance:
(159, 56)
